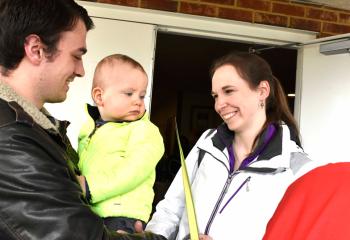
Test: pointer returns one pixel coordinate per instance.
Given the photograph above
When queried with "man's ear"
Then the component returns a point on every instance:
(264, 90)
(96, 94)
(34, 49)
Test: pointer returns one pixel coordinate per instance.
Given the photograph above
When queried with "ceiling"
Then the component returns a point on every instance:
(341, 4)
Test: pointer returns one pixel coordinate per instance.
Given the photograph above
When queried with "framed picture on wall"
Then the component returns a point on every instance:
(203, 118)
(200, 118)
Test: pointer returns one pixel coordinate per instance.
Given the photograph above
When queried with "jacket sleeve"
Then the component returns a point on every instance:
(144, 150)
(316, 206)
(165, 221)
(40, 197)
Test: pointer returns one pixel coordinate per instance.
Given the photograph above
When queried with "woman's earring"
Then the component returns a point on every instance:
(262, 104)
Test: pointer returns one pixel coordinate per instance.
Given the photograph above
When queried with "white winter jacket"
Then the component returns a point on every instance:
(230, 206)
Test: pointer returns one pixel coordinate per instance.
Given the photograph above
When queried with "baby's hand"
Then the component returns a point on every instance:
(81, 180)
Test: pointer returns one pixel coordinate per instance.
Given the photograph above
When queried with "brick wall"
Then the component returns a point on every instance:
(285, 13)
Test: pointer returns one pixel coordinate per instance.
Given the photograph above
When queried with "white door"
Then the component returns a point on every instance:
(323, 109)
(109, 36)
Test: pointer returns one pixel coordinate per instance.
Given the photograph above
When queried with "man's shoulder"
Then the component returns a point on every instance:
(11, 113)
(7, 115)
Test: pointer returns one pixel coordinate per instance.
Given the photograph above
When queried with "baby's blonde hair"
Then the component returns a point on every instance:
(110, 60)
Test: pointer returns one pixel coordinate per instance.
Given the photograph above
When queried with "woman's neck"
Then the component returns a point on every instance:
(242, 146)
(244, 143)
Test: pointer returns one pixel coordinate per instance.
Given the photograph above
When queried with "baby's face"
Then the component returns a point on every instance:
(123, 95)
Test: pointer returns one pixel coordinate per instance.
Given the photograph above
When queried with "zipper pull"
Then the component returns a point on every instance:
(245, 182)
(228, 182)
(247, 186)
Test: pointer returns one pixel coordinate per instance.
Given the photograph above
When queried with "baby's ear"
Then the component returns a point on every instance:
(97, 95)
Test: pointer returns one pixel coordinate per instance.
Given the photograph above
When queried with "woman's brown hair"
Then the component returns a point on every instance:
(255, 69)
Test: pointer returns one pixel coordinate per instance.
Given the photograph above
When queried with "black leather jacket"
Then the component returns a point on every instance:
(40, 197)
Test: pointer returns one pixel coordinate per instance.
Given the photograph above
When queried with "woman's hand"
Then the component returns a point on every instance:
(139, 229)
(204, 237)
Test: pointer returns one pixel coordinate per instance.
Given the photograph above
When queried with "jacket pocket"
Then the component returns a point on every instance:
(244, 183)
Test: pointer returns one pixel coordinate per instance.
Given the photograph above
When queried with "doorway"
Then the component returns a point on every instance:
(182, 86)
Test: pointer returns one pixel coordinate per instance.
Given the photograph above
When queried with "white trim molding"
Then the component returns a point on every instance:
(200, 25)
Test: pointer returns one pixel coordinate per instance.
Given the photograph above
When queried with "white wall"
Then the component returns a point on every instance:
(324, 104)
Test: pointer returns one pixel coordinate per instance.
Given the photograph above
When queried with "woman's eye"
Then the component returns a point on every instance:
(228, 91)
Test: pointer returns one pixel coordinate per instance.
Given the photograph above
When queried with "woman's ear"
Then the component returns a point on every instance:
(34, 49)
(264, 90)
(97, 95)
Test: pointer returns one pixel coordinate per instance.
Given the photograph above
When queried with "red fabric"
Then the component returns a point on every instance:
(314, 207)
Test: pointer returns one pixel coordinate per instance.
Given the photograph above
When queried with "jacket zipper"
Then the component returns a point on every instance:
(86, 146)
(89, 138)
(224, 191)
(246, 181)
(218, 202)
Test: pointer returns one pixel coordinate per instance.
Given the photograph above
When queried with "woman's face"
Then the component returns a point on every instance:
(236, 103)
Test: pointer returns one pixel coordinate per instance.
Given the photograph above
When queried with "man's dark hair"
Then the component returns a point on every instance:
(45, 18)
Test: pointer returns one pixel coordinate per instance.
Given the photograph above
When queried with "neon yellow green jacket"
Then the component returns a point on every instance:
(119, 161)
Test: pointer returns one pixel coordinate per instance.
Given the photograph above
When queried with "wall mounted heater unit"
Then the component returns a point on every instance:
(337, 47)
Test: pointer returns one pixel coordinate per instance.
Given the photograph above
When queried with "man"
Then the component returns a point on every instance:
(41, 47)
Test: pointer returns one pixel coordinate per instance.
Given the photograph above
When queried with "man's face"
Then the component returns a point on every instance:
(61, 68)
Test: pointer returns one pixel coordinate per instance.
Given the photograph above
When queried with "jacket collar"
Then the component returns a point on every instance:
(21, 106)
(224, 138)
(94, 113)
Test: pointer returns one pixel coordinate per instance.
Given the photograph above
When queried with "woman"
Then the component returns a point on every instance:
(240, 170)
